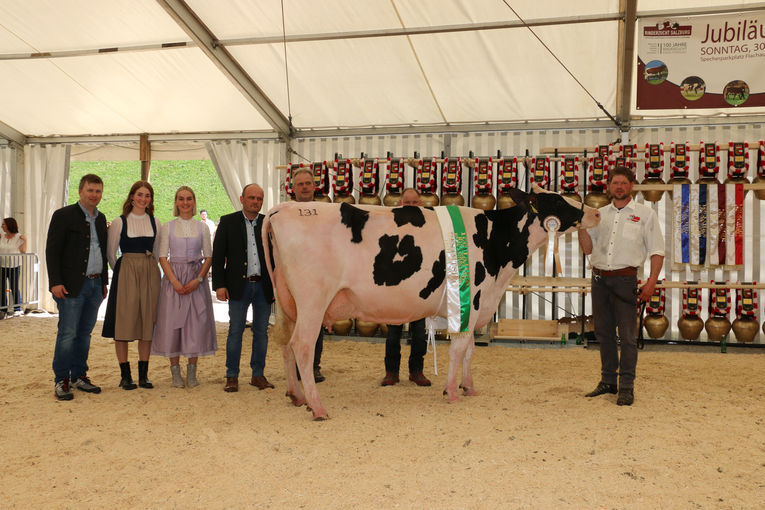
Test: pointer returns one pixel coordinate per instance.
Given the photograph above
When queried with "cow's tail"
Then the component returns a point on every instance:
(281, 331)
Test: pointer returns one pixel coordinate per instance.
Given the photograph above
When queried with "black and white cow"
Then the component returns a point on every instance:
(335, 261)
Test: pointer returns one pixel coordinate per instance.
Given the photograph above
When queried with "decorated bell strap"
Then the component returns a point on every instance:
(569, 174)
(343, 178)
(552, 258)
(691, 300)
(678, 160)
(738, 159)
(394, 175)
(425, 175)
(288, 179)
(598, 178)
(626, 157)
(320, 171)
(451, 175)
(761, 160)
(483, 176)
(656, 303)
(606, 151)
(654, 160)
(368, 179)
(719, 302)
(540, 171)
(746, 302)
(507, 174)
(709, 159)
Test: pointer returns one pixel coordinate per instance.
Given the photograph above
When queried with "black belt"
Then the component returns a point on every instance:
(625, 271)
(253, 278)
(93, 276)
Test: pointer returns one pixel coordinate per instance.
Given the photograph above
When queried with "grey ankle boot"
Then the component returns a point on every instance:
(191, 376)
(177, 379)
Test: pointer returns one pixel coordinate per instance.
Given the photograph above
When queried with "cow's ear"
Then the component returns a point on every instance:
(518, 196)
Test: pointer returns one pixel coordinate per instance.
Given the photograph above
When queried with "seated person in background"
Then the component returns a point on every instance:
(410, 196)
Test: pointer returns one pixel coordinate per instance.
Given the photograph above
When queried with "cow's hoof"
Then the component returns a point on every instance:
(320, 417)
(296, 401)
(469, 392)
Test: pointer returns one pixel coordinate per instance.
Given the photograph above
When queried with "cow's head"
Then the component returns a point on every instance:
(571, 214)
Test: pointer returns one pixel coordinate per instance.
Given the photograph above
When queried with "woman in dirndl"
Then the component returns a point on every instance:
(131, 309)
(185, 322)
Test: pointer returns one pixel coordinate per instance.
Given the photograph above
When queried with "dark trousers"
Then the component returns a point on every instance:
(12, 275)
(614, 305)
(393, 347)
(318, 350)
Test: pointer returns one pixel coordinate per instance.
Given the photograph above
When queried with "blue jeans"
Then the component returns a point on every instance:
(76, 318)
(237, 315)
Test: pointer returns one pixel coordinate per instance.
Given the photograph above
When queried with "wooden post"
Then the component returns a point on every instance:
(145, 154)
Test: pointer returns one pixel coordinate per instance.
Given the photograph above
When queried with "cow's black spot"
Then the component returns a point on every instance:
(498, 237)
(477, 300)
(480, 274)
(386, 270)
(408, 214)
(548, 204)
(355, 219)
(439, 273)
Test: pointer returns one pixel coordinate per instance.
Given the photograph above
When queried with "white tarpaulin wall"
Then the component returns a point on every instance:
(114, 67)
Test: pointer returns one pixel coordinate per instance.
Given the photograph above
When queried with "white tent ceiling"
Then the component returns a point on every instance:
(78, 68)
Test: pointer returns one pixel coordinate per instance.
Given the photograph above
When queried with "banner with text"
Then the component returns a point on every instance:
(701, 61)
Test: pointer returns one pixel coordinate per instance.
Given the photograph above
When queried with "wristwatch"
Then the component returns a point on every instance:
(200, 279)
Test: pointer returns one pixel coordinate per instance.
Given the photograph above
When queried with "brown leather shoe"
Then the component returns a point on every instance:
(260, 382)
(232, 384)
(419, 379)
(390, 379)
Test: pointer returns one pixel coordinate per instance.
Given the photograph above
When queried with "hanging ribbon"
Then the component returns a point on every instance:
(552, 258)
(457, 268)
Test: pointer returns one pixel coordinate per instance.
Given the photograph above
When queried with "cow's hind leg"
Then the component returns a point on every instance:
(303, 344)
(457, 348)
(467, 375)
(294, 389)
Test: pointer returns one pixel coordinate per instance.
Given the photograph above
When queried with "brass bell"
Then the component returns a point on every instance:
(505, 202)
(597, 200)
(690, 327)
(656, 325)
(342, 327)
(717, 327)
(429, 200)
(745, 329)
(366, 328)
(348, 199)
(653, 195)
(370, 200)
(484, 202)
(452, 199)
(392, 199)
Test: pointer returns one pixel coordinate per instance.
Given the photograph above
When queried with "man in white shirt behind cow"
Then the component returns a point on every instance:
(628, 233)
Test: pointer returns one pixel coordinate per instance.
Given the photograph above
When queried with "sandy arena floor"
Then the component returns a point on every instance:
(695, 437)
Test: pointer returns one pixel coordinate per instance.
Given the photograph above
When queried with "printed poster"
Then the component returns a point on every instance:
(713, 61)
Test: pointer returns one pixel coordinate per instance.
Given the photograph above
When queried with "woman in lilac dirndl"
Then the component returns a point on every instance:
(185, 321)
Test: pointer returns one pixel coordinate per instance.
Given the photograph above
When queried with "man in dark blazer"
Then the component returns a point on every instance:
(240, 276)
(75, 255)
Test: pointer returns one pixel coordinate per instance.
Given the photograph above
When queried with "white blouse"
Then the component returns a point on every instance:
(137, 226)
(11, 245)
(183, 228)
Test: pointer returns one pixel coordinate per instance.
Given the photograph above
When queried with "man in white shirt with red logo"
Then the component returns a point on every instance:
(628, 233)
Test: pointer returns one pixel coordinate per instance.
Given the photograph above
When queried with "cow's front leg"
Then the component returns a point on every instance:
(294, 389)
(457, 347)
(467, 375)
